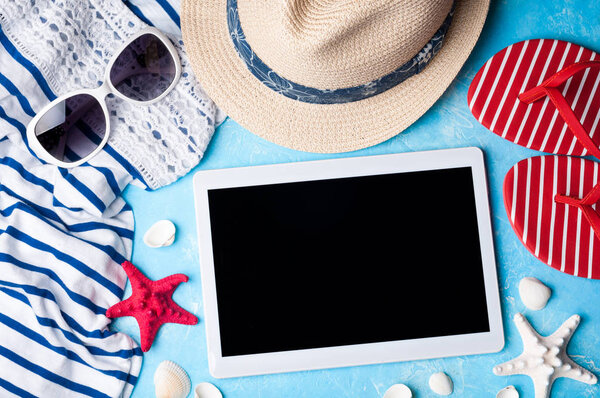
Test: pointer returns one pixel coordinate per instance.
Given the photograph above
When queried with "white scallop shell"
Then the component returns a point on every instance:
(508, 392)
(534, 294)
(171, 381)
(398, 391)
(440, 383)
(162, 233)
(207, 390)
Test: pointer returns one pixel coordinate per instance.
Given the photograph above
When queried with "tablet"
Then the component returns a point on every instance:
(347, 262)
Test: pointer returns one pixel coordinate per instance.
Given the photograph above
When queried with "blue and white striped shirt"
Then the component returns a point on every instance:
(63, 236)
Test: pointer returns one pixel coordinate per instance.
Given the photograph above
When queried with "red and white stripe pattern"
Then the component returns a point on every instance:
(493, 95)
(556, 233)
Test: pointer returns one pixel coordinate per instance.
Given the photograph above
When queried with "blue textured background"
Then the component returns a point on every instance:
(448, 124)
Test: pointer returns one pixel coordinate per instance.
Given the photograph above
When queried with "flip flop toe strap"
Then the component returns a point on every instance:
(550, 89)
(586, 206)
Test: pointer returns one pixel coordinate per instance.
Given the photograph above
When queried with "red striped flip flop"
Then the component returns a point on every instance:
(551, 204)
(541, 94)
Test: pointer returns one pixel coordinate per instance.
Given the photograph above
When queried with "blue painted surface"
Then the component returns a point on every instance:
(448, 124)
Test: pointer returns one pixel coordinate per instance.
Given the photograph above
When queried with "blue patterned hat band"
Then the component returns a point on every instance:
(313, 95)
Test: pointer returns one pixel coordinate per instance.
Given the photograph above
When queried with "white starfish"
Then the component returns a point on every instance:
(545, 359)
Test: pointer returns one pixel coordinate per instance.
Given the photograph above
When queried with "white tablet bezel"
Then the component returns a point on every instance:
(361, 354)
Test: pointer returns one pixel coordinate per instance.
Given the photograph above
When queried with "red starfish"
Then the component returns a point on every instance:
(151, 304)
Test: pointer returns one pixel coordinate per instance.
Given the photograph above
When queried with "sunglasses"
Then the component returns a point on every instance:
(75, 127)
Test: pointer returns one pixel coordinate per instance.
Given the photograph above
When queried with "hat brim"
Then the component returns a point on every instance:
(316, 127)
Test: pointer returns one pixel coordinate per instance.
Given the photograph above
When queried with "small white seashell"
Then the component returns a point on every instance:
(207, 390)
(171, 381)
(162, 233)
(534, 294)
(440, 383)
(398, 391)
(508, 392)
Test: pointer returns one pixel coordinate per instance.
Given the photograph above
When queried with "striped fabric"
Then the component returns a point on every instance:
(493, 93)
(556, 233)
(63, 236)
(163, 14)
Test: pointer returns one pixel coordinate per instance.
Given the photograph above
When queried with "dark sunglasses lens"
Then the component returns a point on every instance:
(144, 70)
(72, 128)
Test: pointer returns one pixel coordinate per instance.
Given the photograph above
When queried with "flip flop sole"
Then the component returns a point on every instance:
(557, 234)
(493, 95)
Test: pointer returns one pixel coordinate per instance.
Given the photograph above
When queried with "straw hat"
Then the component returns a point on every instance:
(328, 75)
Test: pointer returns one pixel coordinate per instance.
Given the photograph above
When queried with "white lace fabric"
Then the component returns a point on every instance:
(71, 42)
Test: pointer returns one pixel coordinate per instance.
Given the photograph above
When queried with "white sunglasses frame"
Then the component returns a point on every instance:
(100, 93)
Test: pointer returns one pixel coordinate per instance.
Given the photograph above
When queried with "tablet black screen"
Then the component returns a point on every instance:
(347, 261)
